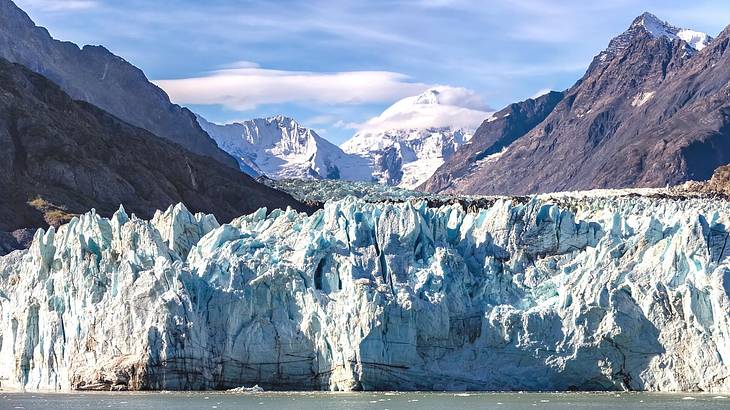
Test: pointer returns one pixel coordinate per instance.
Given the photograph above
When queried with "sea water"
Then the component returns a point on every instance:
(344, 401)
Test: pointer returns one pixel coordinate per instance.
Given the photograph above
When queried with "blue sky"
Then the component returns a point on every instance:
(335, 64)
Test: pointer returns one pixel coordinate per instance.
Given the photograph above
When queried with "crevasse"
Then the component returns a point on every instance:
(613, 292)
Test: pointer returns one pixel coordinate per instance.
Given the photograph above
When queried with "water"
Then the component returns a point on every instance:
(345, 401)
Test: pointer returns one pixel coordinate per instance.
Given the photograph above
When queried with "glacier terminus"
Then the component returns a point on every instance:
(608, 290)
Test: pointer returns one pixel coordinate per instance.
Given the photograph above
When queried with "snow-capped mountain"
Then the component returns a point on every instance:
(409, 141)
(403, 146)
(651, 110)
(280, 148)
(657, 28)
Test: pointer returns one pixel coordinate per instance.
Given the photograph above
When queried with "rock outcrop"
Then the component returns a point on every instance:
(599, 291)
(718, 184)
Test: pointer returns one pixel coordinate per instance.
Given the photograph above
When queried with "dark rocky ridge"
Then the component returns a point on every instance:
(62, 157)
(491, 137)
(95, 75)
(646, 114)
(8, 243)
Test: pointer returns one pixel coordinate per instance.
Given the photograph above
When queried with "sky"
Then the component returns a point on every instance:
(335, 65)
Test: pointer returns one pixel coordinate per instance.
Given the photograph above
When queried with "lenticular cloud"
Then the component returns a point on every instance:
(245, 87)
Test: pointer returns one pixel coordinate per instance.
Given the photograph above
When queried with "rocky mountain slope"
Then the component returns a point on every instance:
(494, 135)
(718, 184)
(651, 110)
(95, 75)
(279, 148)
(591, 291)
(413, 137)
(61, 157)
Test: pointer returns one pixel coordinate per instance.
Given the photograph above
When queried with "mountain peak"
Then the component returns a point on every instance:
(649, 21)
(283, 120)
(429, 97)
(653, 25)
(279, 147)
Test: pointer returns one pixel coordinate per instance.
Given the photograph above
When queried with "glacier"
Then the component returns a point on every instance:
(608, 291)
(321, 191)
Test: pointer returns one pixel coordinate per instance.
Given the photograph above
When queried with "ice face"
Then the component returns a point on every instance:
(614, 291)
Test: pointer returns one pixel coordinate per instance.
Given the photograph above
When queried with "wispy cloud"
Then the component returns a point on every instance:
(540, 93)
(323, 119)
(244, 89)
(58, 5)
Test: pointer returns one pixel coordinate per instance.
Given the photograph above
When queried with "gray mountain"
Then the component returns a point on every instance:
(95, 75)
(652, 109)
(62, 157)
(495, 133)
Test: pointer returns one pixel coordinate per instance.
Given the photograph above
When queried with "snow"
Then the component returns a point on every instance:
(278, 147)
(693, 41)
(407, 157)
(416, 173)
(599, 290)
(642, 98)
(403, 146)
(658, 28)
(409, 141)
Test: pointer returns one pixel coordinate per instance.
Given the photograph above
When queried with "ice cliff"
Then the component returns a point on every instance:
(615, 291)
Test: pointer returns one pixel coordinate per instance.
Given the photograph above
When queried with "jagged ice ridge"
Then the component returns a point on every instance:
(609, 291)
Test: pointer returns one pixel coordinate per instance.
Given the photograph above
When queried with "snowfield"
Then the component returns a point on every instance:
(600, 291)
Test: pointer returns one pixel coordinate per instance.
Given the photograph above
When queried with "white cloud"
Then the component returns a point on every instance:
(248, 87)
(240, 64)
(540, 93)
(58, 5)
(346, 125)
(446, 107)
(321, 120)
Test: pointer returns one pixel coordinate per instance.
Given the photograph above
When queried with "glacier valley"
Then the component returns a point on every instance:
(600, 291)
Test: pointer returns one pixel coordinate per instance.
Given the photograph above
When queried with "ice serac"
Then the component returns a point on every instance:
(280, 148)
(410, 140)
(581, 291)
